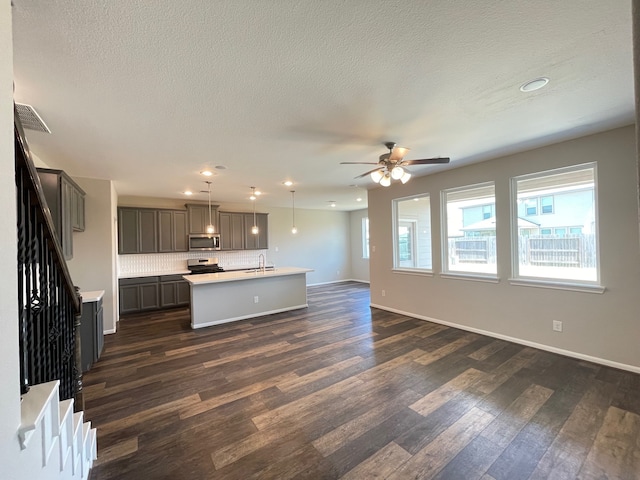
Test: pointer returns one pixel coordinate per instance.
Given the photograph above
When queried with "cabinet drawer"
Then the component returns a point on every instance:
(171, 278)
(138, 280)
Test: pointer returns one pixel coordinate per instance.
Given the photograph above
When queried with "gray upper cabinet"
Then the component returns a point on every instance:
(65, 200)
(172, 231)
(147, 230)
(199, 217)
(137, 230)
(231, 230)
(259, 241)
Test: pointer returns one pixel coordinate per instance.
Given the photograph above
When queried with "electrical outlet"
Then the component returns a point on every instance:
(373, 249)
(557, 326)
(337, 272)
(256, 299)
(383, 293)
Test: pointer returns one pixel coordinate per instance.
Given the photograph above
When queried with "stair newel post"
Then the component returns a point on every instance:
(79, 394)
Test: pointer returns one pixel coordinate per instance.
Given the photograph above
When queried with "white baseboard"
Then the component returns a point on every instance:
(540, 346)
(337, 281)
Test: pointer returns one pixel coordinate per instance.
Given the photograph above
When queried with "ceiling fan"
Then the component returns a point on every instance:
(391, 165)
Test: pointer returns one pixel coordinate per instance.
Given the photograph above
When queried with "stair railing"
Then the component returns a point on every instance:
(49, 304)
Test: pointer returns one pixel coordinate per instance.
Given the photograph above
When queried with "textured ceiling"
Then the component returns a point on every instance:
(150, 93)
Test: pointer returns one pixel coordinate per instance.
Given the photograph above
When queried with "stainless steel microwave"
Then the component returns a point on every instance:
(204, 242)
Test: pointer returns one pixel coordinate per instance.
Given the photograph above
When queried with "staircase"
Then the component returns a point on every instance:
(57, 440)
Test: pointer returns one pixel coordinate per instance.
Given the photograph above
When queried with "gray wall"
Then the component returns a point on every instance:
(359, 265)
(92, 266)
(601, 326)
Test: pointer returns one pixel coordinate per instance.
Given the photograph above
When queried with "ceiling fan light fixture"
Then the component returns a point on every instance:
(386, 180)
(405, 177)
(397, 172)
(376, 176)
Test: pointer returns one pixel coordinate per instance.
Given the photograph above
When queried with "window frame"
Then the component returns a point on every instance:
(593, 286)
(444, 228)
(395, 239)
(365, 238)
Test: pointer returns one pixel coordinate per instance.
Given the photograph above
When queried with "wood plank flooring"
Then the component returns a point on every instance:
(340, 390)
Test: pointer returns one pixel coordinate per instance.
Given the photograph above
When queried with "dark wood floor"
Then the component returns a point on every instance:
(340, 390)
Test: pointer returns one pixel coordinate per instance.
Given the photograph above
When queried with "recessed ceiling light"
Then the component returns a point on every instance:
(288, 183)
(188, 192)
(358, 199)
(535, 84)
(206, 173)
(332, 203)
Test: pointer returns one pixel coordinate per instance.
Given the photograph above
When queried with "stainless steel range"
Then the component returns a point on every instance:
(204, 265)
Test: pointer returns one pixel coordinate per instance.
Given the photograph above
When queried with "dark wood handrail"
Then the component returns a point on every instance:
(38, 195)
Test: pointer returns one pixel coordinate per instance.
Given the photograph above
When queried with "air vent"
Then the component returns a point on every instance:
(30, 118)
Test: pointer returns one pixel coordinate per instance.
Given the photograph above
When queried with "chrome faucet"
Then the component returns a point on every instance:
(261, 262)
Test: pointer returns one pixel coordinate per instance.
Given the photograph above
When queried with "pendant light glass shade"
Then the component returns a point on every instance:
(210, 227)
(386, 180)
(405, 177)
(376, 176)
(397, 172)
(294, 229)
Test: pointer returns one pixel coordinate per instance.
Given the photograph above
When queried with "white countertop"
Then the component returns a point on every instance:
(243, 275)
(92, 296)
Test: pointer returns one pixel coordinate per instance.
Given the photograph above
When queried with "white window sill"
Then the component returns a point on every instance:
(474, 277)
(558, 285)
(413, 271)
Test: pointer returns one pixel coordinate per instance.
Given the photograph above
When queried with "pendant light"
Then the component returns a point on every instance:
(254, 229)
(294, 229)
(210, 227)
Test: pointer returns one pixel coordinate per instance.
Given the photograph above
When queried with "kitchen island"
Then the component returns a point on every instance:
(229, 296)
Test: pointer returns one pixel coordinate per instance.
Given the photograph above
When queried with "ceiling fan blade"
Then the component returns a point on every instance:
(398, 153)
(369, 172)
(427, 161)
(358, 163)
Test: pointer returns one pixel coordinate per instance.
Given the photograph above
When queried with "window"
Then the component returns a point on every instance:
(531, 206)
(412, 239)
(546, 204)
(557, 252)
(469, 224)
(365, 237)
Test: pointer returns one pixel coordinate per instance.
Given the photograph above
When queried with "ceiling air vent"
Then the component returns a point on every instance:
(30, 118)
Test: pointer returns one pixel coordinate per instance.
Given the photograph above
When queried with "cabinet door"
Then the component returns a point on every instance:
(224, 224)
(259, 241)
(237, 231)
(184, 293)
(87, 335)
(180, 231)
(66, 224)
(129, 298)
(149, 298)
(263, 235)
(148, 231)
(165, 231)
(198, 218)
(99, 333)
(77, 213)
(168, 294)
(128, 231)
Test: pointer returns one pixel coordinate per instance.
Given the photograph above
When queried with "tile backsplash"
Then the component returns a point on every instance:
(173, 262)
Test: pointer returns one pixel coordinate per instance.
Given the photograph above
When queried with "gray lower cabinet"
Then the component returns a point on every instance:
(65, 200)
(174, 291)
(153, 293)
(139, 294)
(91, 333)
